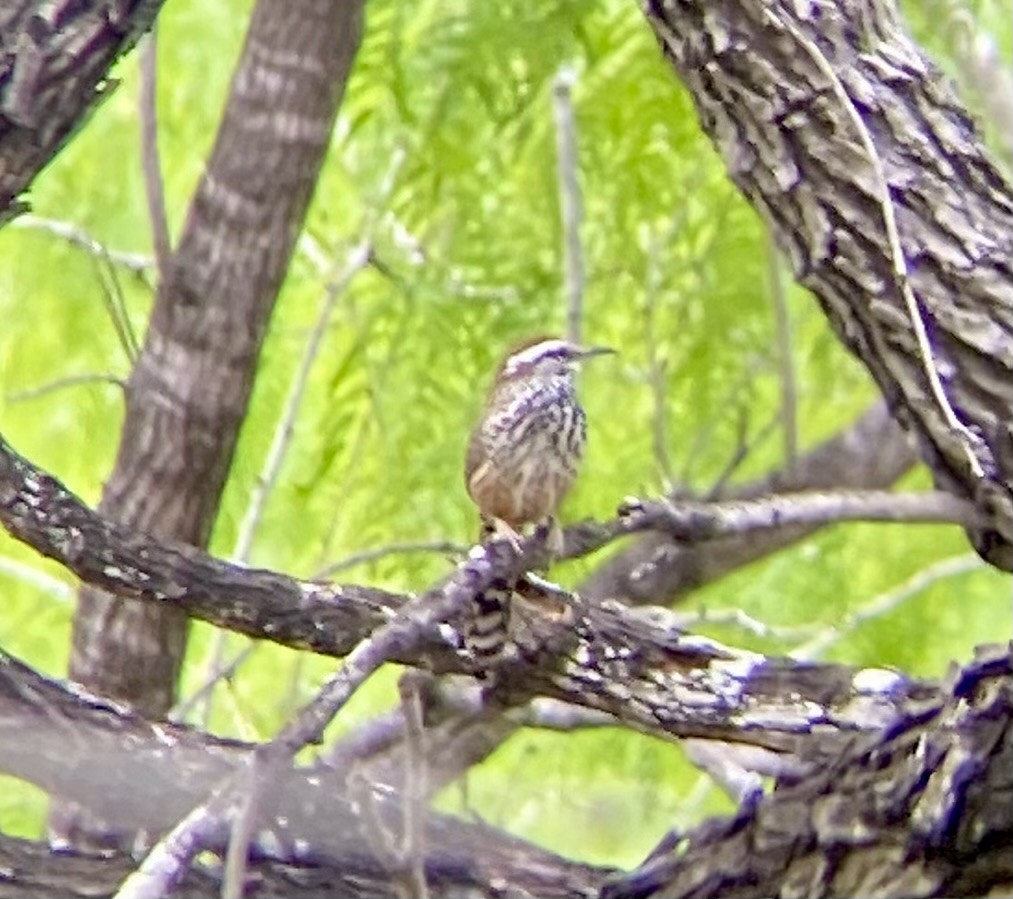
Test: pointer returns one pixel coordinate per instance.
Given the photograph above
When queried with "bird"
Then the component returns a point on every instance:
(522, 459)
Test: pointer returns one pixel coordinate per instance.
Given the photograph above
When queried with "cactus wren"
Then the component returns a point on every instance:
(522, 459)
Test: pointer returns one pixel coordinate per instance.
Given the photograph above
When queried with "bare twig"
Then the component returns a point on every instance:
(657, 368)
(116, 306)
(32, 393)
(886, 602)
(29, 574)
(241, 832)
(154, 187)
(740, 619)
(785, 361)
(446, 547)
(408, 629)
(137, 264)
(570, 201)
(163, 867)
(735, 396)
(358, 259)
(413, 848)
(181, 711)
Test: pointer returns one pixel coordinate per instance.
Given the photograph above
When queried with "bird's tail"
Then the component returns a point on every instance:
(487, 632)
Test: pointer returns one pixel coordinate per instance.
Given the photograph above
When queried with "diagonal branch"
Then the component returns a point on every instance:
(52, 75)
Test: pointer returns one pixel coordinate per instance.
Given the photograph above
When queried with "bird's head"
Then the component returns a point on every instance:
(545, 357)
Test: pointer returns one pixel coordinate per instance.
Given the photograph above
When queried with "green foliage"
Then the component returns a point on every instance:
(677, 271)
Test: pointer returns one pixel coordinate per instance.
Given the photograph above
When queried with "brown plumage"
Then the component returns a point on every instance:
(524, 455)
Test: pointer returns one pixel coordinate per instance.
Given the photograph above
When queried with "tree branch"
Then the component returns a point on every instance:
(637, 666)
(871, 454)
(902, 815)
(54, 77)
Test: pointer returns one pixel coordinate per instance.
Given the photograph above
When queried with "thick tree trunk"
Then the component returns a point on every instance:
(189, 390)
(869, 173)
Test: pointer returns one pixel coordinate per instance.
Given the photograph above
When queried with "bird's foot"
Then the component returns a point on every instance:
(504, 531)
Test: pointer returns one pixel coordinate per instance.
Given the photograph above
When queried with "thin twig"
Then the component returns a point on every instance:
(732, 398)
(744, 446)
(136, 263)
(166, 862)
(413, 848)
(241, 832)
(116, 305)
(570, 201)
(357, 260)
(785, 358)
(887, 602)
(657, 368)
(164, 866)
(29, 574)
(692, 621)
(32, 393)
(900, 269)
(447, 547)
(154, 187)
(181, 711)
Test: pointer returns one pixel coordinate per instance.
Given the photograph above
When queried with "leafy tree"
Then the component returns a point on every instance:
(432, 241)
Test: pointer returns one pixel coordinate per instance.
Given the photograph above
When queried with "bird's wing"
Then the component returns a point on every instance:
(476, 457)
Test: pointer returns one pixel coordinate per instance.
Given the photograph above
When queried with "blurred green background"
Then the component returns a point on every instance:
(464, 89)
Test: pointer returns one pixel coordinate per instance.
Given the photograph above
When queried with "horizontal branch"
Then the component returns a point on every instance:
(870, 454)
(636, 665)
(693, 521)
(932, 789)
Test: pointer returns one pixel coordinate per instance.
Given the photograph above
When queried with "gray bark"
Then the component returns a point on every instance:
(634, 664)
(854, 150)
(920, 807)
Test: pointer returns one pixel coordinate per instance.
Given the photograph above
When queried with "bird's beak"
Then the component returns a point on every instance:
(591, 351)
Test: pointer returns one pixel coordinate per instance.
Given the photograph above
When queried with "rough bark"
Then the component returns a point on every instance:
(852, 147)
(924, 810)
(633, 664)
(54, 58)
(189, 390)
(873, 453)
(921, 807)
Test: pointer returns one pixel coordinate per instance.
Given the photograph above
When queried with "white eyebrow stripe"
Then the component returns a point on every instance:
(534, 353)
